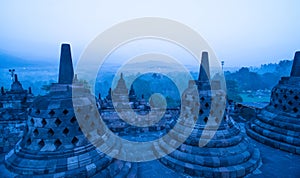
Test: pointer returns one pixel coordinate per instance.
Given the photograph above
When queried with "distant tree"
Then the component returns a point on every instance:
(233, 91)
(270, 80)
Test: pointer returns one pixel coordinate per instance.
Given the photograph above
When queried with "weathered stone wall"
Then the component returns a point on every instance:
(10, 133)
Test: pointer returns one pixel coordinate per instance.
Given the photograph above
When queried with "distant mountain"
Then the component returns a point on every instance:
(10, 61)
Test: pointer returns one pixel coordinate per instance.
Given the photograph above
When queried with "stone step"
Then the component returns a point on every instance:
(276, 129)
(203, 171)
(213, 161)
(275, 121)
(204, 151)
(273, 143)
(274, 135)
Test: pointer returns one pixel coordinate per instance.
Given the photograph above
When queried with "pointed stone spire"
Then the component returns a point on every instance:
(2, 91)
(121, 86)
(296, 65)
(66, 72)
(16, 85)
(75, 78)
(204, 73)
(131, 91)
(132, 96)
(108, 97)
(16, 78)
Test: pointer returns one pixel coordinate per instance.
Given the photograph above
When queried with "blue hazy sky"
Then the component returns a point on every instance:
(242, 33)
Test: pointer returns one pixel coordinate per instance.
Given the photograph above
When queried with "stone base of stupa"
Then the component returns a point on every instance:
(276, 130)
(228, 154)
(92, 163)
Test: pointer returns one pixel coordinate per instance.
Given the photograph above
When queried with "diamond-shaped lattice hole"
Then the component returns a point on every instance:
(201, 111)
(217, 120)
(295, 110)
(202, 98)
(296, 97)
(57, 143)
(57, 122)
(73, 120)
(44, 122)
(75, 140)
(290, 103)
(185, 96)
(28, 141)
(205, 119)
(32, 121)
(86, 117)
(36, 132)
(206, 105)
(65, 112)
(51, 113)
(284, 108)
(37, 111)
(50, 132)
(291, 91)
(66, 131)
(41, 143)
(285, 97)
(275, 105)
(92, 125)
(280, 100)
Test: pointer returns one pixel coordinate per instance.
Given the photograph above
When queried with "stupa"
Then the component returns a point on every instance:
(13, 113)
(53, 144)
(128, 106)
(278, 124)
(228, 154)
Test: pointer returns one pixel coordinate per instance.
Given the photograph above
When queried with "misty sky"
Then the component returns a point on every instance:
(242, 33)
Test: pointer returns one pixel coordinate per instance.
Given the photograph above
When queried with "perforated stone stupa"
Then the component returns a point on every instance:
(228, 154)
(53, 144)
(278, 124)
